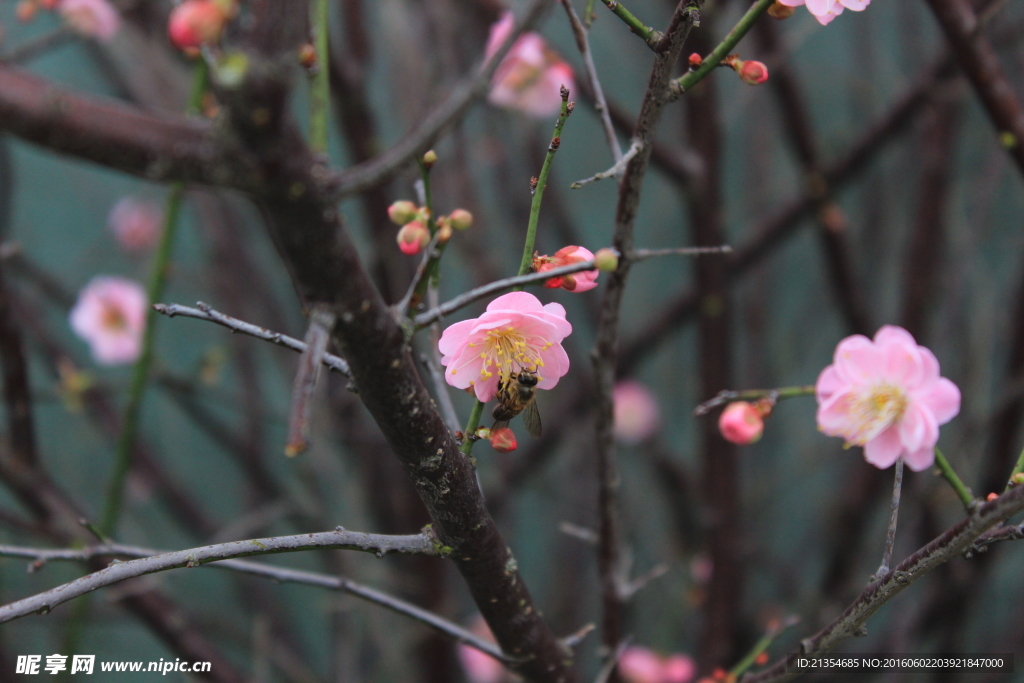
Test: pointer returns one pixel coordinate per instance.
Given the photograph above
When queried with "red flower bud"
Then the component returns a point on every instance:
(696, 60)
(741, 423)
(503, 440)
(195, 22)
(751, 71)
(413, 237)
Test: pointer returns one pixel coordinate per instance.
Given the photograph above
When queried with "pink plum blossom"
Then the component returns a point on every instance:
(741, 423)
(827, 10)
(479, 667)
(887, 396)
(515, 333)
(111, 315)
(136, 224)
(531, 75)
(94, 18)
(567, 256)
(640, 665)
(637, 415)
(679, 669)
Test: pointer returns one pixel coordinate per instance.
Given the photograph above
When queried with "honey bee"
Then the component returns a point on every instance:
(516, 395)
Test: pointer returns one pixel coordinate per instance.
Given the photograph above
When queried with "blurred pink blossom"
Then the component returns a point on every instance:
(827, 10)
(887, 396)
(531, 75)
(111, 315)
(516, 333)
(679, 669)
(94, 18)
(480, 668)
(640, 665)
(637, 415)
(136, 224)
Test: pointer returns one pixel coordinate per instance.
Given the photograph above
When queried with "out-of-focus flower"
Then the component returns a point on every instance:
(567, 256)
(606, 260)
(136, 224)
(827, 10)
(515, 333)
(531, 75)
(413, 237)
(196, 22)
(503, 440)
(111, 315)
(637, 415)
(94, 18)
(640, 665)
(887, 396)
(480, 668)
(26, 10)
(741, 423)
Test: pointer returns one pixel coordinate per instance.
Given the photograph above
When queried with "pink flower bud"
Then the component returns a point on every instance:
(413, 237)
(567, 256)
(695, 60)
(751, 71)
(503, 440)
(741, 423)
(195, 22)
(460, 219)
(402, 211)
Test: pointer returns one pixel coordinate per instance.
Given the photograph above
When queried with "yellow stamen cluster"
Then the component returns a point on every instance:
(874, 411)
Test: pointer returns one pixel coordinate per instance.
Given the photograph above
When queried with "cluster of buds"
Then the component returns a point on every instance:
(567, 256)
(414, 234)
(750, 71)
(194, 23)
(742, 422)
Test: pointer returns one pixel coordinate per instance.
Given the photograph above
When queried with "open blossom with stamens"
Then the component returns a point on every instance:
(827, 10)
(531, 75)
(111, 315)
(515, 333)
(887, 396)
(93, 18)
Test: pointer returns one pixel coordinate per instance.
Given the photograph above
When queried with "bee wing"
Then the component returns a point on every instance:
(499, 424)
(531, 418)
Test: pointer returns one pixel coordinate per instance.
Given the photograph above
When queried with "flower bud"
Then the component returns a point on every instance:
(503, 440)
(695, 60)
(606, 260)
(741, 423)
(413, 237)
(307, 56)
(1017, 479)
(444, 232)
(780, 11)
(429, 158)
(992, 496)
(402, 211)
(460, 219)
(195, 22)
(483, 433)
(751, 71)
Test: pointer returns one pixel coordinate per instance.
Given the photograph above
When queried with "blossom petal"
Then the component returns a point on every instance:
(828, 383)
(858, 360)
(556, 364)
(516, 301)
(834, 414)
(883, 450)
(920, 460)
(918, 429)
(942, 399)
(855, 5)
(454, 338)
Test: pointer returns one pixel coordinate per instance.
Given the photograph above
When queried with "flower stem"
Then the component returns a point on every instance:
(526, 265)
(745, 23)
(890, 536)
(140, 373)
(650, 36)
(1018, 468)
(320, 84)
(471, 424)
(962, 491)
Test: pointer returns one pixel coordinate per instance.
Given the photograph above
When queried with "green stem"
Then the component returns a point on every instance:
(962, 491)
(588, 13)
(526, 265)
(650, 36)
(471, 424)
(1018, 468)
(760, 646)
(432, 273)
(320, 84)
(745, 23)
(140, 373)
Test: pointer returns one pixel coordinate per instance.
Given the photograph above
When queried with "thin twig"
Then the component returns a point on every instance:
(615, 171)
(466, 298)
(752, 395)
(644, 254)
(420, 277)
(890, 535)
(773, 632)
(444, 399)
(650, 36)
(962, 492)
(321, 320)
(605, 674)
(600, 104)
(204, 312)
(279, 574)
